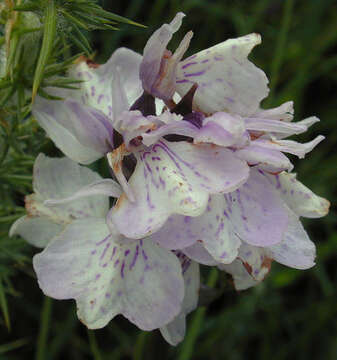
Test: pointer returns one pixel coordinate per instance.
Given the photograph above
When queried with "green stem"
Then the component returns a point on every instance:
(140, 343)
(188, 345)
(41, 345)
(94, 346)
(280, 47)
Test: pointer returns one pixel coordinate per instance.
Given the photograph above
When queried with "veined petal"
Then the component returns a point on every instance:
(298, 197)
(227, 80)
(139, 280)
(212, 229)
(266, 159)
(257, 212)
(96, 88)
(36, 231)
(158, 67)
(250, 268)
(175, 177)
(174, 332)
(82, 133)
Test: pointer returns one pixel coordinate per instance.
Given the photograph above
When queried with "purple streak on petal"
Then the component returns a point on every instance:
(188, 64)
(196, 73)
(133, 262)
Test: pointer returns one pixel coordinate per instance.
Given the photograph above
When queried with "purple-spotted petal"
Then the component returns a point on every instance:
(175, 177)
(83, 133)
(96, 88)
(298, 197)
(158, 67)
(174, 332)
(139, 280)
(212, 229)
(250, 268)
(258, 214)
(227, 80)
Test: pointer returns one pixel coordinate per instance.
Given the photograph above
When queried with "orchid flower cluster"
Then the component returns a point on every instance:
(199, 176)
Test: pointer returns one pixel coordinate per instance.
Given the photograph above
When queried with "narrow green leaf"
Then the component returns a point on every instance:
(4, 306)
(5, 348)
(74, 20)
(41, 345)
(28, 6)
(47, 44)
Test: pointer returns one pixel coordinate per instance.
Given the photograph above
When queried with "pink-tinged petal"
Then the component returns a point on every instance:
(267, 159)
(176, 128)
(227, 80)
(60, 178)
(82, 133)
(36, 231)
(198, 253)
(107, 187)
(250, 268)
(289, 146)
(298, 197)
(222, 129)
(174, 332)
(139, 280)
(158, 68)
(212, 229)
(296, 249)
(258, 214)
(274, 126)
(97, 86)
(175, 177)
(284, 112)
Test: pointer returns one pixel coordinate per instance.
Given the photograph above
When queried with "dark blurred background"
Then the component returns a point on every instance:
(292, 314)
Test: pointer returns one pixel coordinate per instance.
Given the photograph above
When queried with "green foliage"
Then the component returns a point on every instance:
(291, 315)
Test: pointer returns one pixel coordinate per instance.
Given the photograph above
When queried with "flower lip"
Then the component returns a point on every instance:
(145, 104)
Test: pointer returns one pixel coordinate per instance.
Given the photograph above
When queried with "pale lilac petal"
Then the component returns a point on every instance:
(258, 214)
(177, 128)
(298, 197)
(268, 125)
(139, 280)
(36, 231)
(212, 229)
(96, 88)
(289, 146)
(296, 249)
(284, 112)
(60, 178)
(158, 67)
(171, 178)
(82, 133)
(266, 159)
(250, 268)
(222, 129)
(174, 332)
(107, 187)
(227, 80)
(198, 253)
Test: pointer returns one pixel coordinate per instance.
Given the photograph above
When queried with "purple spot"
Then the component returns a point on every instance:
(127, 252)
(116, 263)
(205, 61)
(108, 295)
(98, 276)
(122, 269)
(135, 256)
(182, 81)
(93, 91)
(144, 255)
(100, 98)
